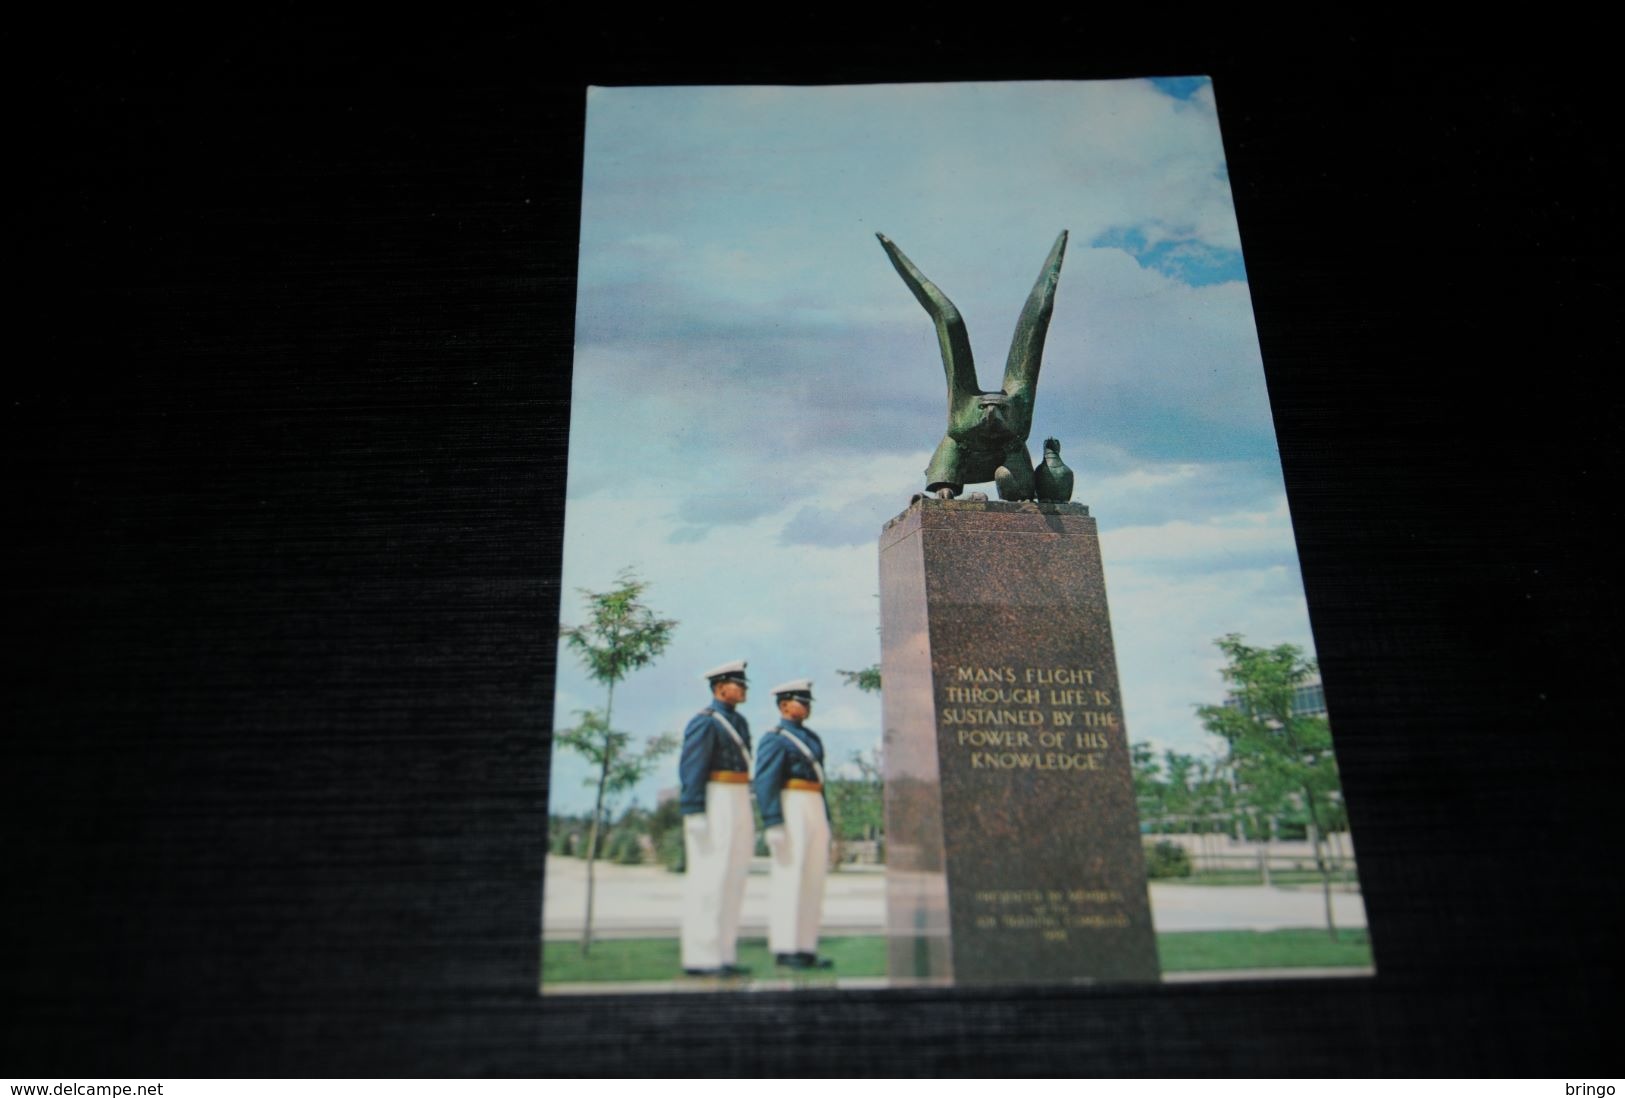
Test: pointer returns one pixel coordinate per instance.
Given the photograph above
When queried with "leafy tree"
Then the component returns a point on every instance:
(671, 852)
(1278, 756)
(665, 828)
(621, 635)
(858, 805)
(1178, 796)
(561, 835)
(867, 680)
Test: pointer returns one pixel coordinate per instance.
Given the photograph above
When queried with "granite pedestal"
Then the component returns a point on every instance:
(1012, 838)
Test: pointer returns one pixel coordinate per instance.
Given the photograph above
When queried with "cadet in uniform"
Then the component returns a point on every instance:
(718, 828)
(790, 790)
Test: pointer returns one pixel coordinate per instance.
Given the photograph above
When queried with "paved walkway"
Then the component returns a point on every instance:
(646, 902)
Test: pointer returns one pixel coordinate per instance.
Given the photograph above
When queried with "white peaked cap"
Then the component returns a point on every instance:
(731, 671)
(795, 687)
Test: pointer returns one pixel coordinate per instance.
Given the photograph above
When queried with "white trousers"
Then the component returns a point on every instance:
(796, 903)
(714, 885)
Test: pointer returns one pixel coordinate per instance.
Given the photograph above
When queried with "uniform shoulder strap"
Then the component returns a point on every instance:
(805, 750)
(732, 731)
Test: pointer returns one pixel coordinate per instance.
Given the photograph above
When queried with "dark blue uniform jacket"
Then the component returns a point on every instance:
(777, 761)
(707, 747)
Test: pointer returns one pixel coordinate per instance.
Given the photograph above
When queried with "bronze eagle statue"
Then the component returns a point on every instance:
(987, 431)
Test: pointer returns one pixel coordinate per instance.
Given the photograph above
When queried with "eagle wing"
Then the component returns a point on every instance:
(957, 362)
(1027, 345)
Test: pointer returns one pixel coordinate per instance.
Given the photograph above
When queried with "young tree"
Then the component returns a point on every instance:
(621, 634)
(1214, 804)
(1276, 753)
(1150, 794)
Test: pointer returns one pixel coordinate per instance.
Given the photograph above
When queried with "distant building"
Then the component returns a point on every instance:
(1308, 698)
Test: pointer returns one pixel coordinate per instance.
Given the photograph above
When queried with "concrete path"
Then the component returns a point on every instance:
(646, 902)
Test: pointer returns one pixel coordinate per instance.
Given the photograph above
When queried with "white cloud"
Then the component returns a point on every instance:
(1214, 542)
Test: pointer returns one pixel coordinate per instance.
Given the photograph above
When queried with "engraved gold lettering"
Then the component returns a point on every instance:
(993, 713)
(989, 695)
(953, 715)
(1050, 912)
(1034, 760)
(1061, 676)
(1098, 922)
(985, 674)
(976, 737)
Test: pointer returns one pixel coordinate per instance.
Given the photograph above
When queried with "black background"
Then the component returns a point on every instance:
(287, 462)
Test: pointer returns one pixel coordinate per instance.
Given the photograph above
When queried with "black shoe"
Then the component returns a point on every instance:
(735, 970)
(787, 960)
(703, 972)
(812, 960)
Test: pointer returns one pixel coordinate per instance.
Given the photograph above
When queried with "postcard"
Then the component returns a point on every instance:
(899, 649)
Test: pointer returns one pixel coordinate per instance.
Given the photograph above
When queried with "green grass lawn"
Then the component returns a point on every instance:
(644, 959)
(1215, 950)
(658, 959)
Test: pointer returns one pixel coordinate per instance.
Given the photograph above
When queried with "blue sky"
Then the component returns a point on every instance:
(756, 392)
